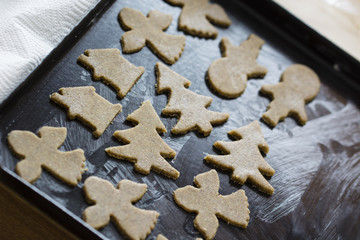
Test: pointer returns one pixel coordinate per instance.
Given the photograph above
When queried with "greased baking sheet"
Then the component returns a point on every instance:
(317, 166)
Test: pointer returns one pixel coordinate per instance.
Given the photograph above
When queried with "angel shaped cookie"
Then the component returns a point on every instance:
(149, 30)
(197, 17)
(208, 204)
(117, 204)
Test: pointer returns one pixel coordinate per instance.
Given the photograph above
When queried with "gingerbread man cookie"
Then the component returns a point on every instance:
(117, 204)
(298, 85)
(243, 157)
(149, 30)
(197, 15)
(228, 75)
(42, 152)
(110, 67)
(209, 205)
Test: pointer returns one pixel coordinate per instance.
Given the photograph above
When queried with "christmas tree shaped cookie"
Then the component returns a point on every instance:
(189, 106)
(110, 67)
(196, 16)
(86, 105)
(149, 30)
(243, 157)
(298, 85)
(116, 204)
(228, 75)
(209, 205)
(42, 152)
(145, 147)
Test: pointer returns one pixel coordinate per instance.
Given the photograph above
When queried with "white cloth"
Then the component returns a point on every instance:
(29, 31)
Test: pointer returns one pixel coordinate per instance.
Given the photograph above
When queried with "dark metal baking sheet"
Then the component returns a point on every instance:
(317, 166)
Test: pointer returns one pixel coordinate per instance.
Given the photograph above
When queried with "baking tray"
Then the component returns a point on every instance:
(317, 165)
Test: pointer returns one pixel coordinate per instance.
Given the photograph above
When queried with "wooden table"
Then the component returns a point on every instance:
(337, 20)
(20, 220)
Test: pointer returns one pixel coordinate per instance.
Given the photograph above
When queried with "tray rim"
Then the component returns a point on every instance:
(48, 206)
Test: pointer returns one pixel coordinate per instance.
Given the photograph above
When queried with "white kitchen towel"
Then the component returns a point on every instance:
(29, 31)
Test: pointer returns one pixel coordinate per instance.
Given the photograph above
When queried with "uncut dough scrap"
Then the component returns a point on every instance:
(208, 204)
(89, 107)
(116, 203)
(187, 105)
(145, 147)
(110, 67)
(228, 75)
(243, 157)
(42, 152)
(149, 30)
(298, 85)
(161, 237)
(197, 15)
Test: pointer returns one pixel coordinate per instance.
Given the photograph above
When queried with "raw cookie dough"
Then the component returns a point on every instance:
(209, 205)
(110, 67)
(161, 237)
(189, 106)
(149, 30)
(116, 203)
(42, 152)
(89, 107)
(228, 75)
(243, 157)
(144, 146)
(298, 85)
(196, 16)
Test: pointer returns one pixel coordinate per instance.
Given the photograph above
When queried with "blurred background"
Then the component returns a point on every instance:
(337, 20)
